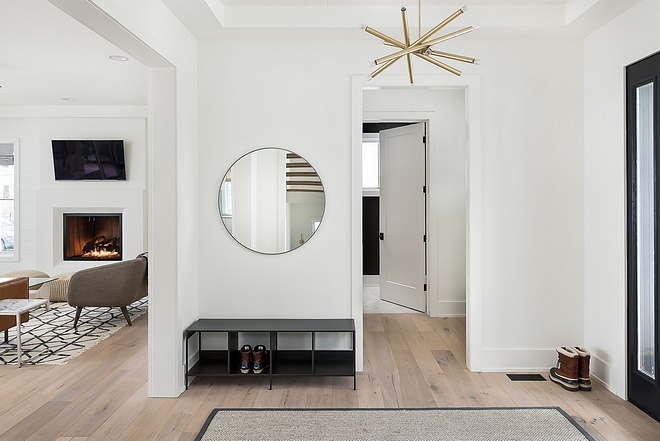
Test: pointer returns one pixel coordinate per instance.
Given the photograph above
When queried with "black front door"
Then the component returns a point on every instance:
(642, 165)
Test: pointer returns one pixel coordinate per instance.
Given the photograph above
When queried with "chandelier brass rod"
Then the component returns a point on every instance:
(401, 53)
(423, 47)
(448, 36)
(384, 37)
(430, 33)
(382, 68)
(452, 56)
(439, 64)
(406, 35)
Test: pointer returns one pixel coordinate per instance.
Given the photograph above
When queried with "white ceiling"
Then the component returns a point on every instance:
(45, 55)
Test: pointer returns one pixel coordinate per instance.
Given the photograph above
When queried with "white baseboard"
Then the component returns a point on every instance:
(518, 360)
(607, 375)
(541, 360)
(448, 309)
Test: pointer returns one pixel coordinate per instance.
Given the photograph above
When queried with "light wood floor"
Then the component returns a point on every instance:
(410, 361)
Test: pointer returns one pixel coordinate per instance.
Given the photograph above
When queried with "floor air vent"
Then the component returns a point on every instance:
(526, 377)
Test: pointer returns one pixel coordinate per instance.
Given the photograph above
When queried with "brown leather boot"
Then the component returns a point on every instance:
(566, 372)
(584, 383)
(246, 359)
(260, 358)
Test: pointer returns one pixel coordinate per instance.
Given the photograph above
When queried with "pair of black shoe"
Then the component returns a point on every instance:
(255, 359)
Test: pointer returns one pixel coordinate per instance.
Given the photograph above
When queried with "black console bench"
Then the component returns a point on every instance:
(283, 362)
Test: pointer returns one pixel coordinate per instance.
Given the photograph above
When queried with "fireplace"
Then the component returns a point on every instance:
(92, 236)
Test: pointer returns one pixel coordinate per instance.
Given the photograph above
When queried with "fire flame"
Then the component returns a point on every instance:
(101, 254)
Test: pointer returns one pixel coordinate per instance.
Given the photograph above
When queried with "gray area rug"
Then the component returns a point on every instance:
(49, 337)
(451, 424)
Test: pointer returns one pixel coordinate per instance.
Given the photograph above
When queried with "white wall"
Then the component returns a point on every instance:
(626, 39)
(244, 107)
(43, 200)
(296, 94)
(532, 196)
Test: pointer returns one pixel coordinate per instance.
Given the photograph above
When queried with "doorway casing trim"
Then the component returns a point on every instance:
(471, 85)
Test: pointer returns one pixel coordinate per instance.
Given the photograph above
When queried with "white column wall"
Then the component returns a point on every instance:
(533, 198)
(626, 39)
(172, 188)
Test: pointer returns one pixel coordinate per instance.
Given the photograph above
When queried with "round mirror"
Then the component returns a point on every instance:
(271, 201)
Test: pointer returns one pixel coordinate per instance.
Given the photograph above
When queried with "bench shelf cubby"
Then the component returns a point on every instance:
(283, 361)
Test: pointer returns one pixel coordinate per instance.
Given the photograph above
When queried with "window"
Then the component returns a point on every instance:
(370, 161)
(8, 205)
(225, 199)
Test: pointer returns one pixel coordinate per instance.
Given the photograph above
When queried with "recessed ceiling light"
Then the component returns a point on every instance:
(68, 99)
(118, 58)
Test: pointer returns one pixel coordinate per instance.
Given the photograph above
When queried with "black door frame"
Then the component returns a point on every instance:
(643, 391)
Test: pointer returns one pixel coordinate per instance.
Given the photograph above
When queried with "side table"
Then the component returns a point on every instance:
(16, 307)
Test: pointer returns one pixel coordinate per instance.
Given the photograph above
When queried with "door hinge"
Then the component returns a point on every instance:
(425, 238)
(424, 139)
(425, 287)
(424, 189)
(381, 236)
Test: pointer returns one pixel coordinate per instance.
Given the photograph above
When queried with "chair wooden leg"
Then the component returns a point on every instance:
(128, 317)
(75, 321)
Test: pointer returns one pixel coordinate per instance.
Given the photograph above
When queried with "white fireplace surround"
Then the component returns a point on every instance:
(51, 206)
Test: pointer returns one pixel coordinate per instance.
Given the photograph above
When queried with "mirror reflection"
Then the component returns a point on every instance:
(271, 201)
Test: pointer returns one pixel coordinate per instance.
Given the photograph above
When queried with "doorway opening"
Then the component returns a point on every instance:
(452, 107)
(407, 297)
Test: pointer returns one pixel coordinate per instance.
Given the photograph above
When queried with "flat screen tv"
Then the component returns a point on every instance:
(77, 160)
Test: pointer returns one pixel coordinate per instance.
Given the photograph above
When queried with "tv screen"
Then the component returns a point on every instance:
(89, 160)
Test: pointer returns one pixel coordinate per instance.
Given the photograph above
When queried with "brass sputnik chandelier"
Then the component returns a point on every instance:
(422, 47)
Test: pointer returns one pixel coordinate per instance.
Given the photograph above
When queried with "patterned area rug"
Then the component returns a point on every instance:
(466, 424)
(49, 337)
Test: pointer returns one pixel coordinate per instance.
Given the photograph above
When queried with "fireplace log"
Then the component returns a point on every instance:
(93, 245)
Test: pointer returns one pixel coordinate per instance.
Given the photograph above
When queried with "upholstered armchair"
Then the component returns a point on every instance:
(115, 285)
(13, 289)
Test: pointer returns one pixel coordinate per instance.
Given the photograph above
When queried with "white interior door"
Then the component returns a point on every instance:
(403, 216)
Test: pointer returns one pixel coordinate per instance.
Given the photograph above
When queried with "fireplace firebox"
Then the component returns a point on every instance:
(92, 236)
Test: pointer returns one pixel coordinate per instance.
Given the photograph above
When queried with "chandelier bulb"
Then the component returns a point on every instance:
(475, 27)
(477, 62)
(369, 78)
(465, 8)
(362, 26)
(403, 8)
(428, 51)
(372, 63)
